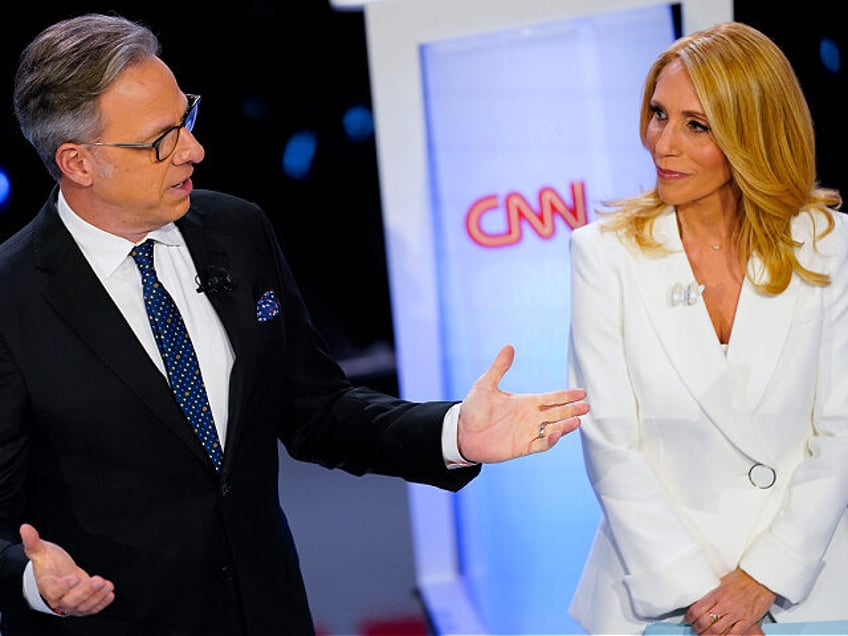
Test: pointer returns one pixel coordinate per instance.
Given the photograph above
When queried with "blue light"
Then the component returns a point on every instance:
(298, 154)
(829, 54)
(5, 187)
(358, 123)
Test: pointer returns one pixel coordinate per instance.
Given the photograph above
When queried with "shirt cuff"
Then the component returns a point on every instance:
(31, 593)
(450, 441)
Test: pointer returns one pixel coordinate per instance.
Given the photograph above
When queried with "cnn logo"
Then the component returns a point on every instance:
(518, 212)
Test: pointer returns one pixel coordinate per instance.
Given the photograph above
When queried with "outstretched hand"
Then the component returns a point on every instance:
(495, 426)
(65, 587)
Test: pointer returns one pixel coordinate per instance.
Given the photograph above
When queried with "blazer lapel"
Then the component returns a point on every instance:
(82, 302)
(689, 340)
(760, 330)
(211, 249)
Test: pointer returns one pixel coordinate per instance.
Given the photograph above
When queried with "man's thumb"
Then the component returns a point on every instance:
(500, 365)
(30, 538)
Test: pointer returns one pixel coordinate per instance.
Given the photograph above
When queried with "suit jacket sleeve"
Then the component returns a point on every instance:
(323, 418)
(789, 555)
(13, 449)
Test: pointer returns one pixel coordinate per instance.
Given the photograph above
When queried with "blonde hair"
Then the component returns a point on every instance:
(760, 120)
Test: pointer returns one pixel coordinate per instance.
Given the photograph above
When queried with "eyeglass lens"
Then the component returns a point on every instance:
(168, 142)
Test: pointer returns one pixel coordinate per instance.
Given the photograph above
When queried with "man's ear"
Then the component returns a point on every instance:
(74, 161)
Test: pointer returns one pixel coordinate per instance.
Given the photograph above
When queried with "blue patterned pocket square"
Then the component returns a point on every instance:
(268, 306)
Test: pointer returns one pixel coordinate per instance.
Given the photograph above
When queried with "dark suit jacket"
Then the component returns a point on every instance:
(95, 453)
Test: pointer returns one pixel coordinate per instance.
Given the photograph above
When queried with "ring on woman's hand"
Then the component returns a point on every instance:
(714, 618)
(542, 430)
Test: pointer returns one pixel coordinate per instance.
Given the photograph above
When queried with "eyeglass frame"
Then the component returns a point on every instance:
(187, 122)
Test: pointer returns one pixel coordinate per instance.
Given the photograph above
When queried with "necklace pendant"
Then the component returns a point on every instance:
(716, 248)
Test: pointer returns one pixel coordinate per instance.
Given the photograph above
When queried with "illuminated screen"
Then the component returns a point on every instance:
(527, 130)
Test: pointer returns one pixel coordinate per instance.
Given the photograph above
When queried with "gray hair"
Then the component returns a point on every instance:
(63, 72)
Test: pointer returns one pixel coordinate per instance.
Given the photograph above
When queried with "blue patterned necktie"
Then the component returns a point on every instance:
(177, 353)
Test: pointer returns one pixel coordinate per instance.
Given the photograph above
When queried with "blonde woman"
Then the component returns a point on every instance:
(710, 329)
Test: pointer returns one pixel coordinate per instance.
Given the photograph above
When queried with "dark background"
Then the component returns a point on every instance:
(268, 70)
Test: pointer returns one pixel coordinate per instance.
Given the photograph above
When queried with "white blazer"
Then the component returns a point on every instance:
(703, 460)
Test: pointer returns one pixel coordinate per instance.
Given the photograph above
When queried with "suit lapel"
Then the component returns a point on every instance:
(684, 329)
(211, 248)
(760, 330)
(78, 297)
(727, 388)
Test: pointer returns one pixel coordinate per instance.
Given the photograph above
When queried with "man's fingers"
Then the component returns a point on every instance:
(560, 412)
(89, 600)
(83, 598)
(549, 433)
(551, 437)
(561, 398)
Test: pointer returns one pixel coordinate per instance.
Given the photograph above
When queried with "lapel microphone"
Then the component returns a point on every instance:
(213, 279)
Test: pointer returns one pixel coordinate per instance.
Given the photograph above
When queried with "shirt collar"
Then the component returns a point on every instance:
(104, 251)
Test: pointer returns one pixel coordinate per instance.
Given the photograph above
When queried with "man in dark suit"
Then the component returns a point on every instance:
(150, 527)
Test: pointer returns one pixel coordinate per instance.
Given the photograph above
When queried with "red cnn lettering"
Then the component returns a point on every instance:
(517, 208)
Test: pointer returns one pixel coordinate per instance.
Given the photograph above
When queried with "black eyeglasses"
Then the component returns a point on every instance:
(166, 143)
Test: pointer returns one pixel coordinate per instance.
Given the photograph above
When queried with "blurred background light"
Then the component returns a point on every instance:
(299, 153)
(358, 123)
(829, 54)
(4, 187)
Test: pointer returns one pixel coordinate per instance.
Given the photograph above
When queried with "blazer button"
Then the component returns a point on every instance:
(762, 476)
(226, 488)
(226, 573)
